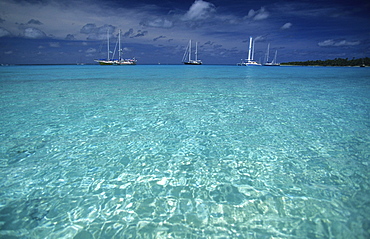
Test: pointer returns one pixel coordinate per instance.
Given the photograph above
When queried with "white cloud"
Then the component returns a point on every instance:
(331, 42)
(60, 19)
(326, 43)
(160, 23)
(88, 28)
(347, 43)
(97, 33)
(33, 33)
(259, 14)
(286, 26)
(251, 13)
(199, 10)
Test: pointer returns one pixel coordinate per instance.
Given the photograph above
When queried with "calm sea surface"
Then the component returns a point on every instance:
(184, 152)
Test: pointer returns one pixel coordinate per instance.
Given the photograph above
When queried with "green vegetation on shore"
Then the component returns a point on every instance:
(336, 62)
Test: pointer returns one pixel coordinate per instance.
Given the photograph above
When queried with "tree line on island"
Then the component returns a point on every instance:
(336, 62)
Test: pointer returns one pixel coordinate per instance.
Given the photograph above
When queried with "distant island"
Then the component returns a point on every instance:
(336, 62)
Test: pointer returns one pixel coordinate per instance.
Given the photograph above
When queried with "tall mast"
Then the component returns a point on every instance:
(268, 52)
(119, 45)
(108, 43)
(250, 48)
(189, 50)
(196, 51)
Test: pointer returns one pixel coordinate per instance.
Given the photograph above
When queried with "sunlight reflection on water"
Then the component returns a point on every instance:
(219, 151)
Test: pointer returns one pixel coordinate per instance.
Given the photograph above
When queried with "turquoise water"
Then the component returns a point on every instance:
(184, 152)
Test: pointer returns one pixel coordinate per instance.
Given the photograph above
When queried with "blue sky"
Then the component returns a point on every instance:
(61, 31)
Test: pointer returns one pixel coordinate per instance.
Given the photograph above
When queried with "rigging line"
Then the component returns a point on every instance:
(115, 48)
(185, 54)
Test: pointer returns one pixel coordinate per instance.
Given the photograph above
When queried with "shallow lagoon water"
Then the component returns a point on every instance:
(184, 152)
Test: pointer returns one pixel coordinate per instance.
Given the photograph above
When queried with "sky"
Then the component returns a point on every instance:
(158, 31)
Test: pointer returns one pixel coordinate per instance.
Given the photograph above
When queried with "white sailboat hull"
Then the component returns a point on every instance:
(271, 64)
(117, 62)
(249, 63)
(252, 63)
(193, 62)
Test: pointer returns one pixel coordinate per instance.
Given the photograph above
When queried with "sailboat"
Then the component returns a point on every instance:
(250, 61)
(273, 62)
(186, 59)
(120, 60)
